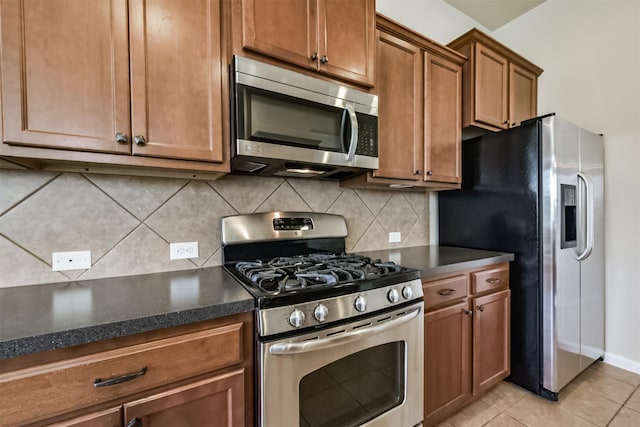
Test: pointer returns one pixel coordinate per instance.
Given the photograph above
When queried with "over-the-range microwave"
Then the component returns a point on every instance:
(285, 123)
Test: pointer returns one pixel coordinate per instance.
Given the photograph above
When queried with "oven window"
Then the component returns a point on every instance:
(354, 389)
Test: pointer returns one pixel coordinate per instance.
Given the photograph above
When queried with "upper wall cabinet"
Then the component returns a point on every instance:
(419, 86)
(139, 78)
(500, 86)
(334, 37)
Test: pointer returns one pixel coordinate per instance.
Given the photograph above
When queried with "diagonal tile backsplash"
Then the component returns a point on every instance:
(128, 222)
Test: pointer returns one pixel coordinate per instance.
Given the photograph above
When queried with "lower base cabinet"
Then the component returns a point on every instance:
(215, 401)
(447, 359)
(467, 338)
(192, 375)
(109, 418)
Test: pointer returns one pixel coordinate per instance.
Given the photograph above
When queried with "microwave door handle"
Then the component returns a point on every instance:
(343, 339)
(353, 140)
(588, 187)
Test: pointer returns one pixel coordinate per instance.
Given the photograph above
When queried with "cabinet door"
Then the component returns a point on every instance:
(447, 360)
(399, 86)
(214, 402)
(284, 29)
(176, 79)
(65, 74)
(108, 418)
(523, 94)
(491, 80)
(346, 39)
(443, 119)
(491, 340)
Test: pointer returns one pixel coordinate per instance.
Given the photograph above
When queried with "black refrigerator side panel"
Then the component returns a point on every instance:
(498, 209)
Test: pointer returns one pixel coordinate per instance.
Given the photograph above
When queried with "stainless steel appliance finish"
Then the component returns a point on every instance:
(573, 277)
(537, 191)
(339, 337)
(286, 362)
(251, 228)
(288, 124)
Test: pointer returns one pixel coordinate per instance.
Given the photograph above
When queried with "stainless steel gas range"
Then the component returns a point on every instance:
(339, 337)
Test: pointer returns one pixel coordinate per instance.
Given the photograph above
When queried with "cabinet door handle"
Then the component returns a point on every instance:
(493, 280)
(314, 56)
(480, 308)
(506, 122)
(446, 292)
(139, 140)
(467, 312)
(418, 172)
(429, 173)
(122, 138)
(324, 59)
(135, 423)
(99, 382)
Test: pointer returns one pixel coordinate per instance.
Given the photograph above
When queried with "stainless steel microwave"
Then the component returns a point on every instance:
(289, 124)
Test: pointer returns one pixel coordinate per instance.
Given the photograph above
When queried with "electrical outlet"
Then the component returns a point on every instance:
(183, 250)
(394, 237)
(78, 260)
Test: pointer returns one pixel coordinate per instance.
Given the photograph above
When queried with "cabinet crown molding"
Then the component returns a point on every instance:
(476, 36)
(399, 30)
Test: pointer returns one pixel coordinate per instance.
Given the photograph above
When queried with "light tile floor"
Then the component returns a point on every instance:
(603, 395)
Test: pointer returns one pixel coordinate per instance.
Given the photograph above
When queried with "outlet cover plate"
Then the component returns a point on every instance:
(395, 237)
(183, 250)
(76, 260)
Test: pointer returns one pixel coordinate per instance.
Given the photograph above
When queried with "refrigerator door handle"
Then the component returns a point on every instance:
(589, 217)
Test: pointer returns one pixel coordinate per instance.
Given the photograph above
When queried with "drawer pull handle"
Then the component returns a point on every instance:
(493, 280)
(446, 292)
(99, 382)
(135, 423)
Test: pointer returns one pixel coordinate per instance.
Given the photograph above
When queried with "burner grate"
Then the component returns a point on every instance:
(282, 274)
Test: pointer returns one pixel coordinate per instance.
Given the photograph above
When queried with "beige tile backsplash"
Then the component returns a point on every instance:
(128, 222)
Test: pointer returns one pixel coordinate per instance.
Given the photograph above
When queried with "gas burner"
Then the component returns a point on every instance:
(295, 273)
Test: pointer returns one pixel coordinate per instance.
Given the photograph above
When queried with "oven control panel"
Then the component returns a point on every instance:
(325, 311)
(281, 224)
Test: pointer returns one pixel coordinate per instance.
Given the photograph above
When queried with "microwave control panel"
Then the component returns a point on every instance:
(367, 135)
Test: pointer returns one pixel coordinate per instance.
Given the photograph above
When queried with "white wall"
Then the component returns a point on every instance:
(590, 51)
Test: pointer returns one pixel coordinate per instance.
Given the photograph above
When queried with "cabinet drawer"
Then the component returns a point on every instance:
(88, 380)
(490, 280)
(442, 291)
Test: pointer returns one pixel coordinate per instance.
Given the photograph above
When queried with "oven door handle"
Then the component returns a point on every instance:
(346, 338)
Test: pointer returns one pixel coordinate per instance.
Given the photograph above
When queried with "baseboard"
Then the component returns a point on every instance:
(622, 362)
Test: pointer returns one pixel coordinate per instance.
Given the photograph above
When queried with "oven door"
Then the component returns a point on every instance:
(368, 372)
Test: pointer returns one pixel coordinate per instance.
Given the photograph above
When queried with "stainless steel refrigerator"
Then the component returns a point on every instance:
(537, 191)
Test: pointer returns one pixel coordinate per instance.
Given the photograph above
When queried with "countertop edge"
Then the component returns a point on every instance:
(55, 340)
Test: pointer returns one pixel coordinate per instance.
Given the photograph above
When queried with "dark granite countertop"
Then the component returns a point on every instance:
(45, 317)
(438, 260)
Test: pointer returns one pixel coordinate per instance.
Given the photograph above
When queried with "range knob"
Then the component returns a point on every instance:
(321, 312)
(361, 304)
(407, 292)
(296, 318)
(393, 296)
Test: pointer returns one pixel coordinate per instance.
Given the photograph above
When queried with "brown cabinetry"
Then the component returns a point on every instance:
(173, 377)
(109, 81)
(467, 338)
(419, 87)
(500, 87)
(332, 37)
(211, 402)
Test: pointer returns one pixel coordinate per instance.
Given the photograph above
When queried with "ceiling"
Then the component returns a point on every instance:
(493, 14)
